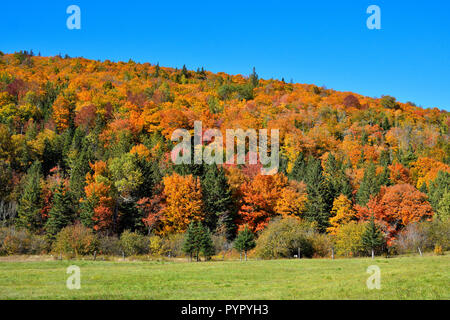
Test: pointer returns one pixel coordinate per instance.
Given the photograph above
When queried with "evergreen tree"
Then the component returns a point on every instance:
(80, 167)
(254, 78)
(369, 186)
(337, 180)
(245, 241)
(207, 248)
(193, 240)
(438, 188)
(217, 200)
(49, 157)
(372, 238)
(320, 201)
(30, 204)
(298, 171)
(61, 214)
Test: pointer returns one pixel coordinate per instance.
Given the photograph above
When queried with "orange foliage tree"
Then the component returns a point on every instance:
(395, 207)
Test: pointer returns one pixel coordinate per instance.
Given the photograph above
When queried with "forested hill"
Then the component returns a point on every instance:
(89, 141)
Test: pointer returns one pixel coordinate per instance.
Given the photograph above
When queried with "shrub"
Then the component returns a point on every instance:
(156, 246)
(321, 243)
(18, 241)
(173, 245)
(348, 239)
(283, 237)
(39, 245)
(438, 250)
(133, 243)
(14, 241)
(109, 246)
(438, 232)
(75, 240)
(413, 236)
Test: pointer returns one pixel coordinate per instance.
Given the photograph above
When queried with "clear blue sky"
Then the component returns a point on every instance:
(322, 42)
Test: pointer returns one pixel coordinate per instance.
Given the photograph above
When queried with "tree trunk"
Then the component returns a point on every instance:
(245, 255)
(240, 256)
(373, 254)
(420, 251)
(332, 253)
(299, 253)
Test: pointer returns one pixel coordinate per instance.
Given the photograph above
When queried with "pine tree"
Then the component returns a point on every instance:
(438, 188)
(198, 240)
(254, 78)
(337, 180)
(30, 204)
(78, 171)
(61, 214)
(217, 200)
(298, 171)
(245, 241)
(369, 186)
(372, 238)
(207, 248)
(320, 201)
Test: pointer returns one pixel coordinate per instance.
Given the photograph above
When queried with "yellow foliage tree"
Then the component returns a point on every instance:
(183, 203)
(342, 213)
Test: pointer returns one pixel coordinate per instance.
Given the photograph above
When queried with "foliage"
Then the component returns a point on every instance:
(74, 241)
(284, 237)
(133, 243)
(348, 239)
(244, 241)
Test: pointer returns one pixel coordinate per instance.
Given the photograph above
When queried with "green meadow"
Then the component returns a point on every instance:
(406, 277)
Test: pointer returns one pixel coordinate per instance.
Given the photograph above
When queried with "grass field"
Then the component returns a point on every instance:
(401, 278)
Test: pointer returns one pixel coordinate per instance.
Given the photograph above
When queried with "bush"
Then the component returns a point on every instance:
(39, 245)
(348, 240)
(17, 241)
(415, 235)
(283, 237)
(156, 246)
(133, 243)
(321, 244)
(173, 245)
(109, 246)
(438, 233)
(75, 240)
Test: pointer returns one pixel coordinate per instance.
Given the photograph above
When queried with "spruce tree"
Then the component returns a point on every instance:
(298, 171)
(320, 201)
(372, 238)
(369, 186)
(245, 241)
(193, 240)
(207, 247)
(30, 204)
(217, 200)
(338, 181)
(438, 188)
(61, 214)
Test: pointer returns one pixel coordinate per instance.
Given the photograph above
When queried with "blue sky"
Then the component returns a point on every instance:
(322, 42)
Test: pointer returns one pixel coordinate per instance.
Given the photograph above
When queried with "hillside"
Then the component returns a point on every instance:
(89, 141)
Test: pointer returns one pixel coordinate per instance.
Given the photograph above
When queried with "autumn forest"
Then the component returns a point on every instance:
(85, 151)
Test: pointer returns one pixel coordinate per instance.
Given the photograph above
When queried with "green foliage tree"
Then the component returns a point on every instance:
(369, 186)
(438, 188)
(372, 238)
(217, 200)
(198, 240)
(30, 204)
(244, 241)
(337, 180)
(61, 214)
(320, 201)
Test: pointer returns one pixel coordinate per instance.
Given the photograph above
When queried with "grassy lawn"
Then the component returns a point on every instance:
(401, 278)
